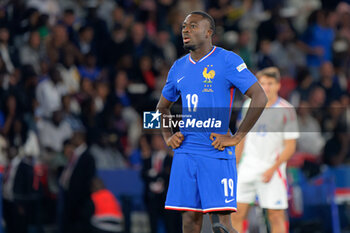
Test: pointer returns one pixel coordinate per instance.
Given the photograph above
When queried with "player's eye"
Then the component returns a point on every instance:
(193, 26)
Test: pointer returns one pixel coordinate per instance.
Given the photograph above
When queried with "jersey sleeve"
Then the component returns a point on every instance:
(291, 129)
(237, 72)
(170, 91)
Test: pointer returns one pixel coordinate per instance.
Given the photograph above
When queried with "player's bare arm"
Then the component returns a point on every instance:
(289, 149)
(171, 139)
(256, 107)
(239, 150)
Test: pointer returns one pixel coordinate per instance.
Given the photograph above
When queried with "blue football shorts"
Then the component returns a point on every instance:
(202, 184)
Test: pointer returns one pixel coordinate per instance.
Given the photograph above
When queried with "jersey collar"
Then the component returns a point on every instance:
(193, 62)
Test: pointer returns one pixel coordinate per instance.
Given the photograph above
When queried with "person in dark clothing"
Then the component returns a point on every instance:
(22, 185)
(336, 150)
(28, 195)
(76, 181)
(156, 174)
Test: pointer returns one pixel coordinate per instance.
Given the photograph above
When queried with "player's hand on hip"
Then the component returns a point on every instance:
(175, 140)
(267, 175)
(220, 141)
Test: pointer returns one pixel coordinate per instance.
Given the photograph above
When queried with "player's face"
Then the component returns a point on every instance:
(270, 85)
(195, 32)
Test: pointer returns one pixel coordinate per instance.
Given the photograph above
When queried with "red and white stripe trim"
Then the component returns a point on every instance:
(193, 62)
(220, 209)
(201, 210)
(282, 178)
(182, 208)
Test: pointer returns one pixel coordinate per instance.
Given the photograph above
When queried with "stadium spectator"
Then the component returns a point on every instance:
(49, 93)
(85, 40)
(7, 53)
(76, 181)
(69, 20)
(89, 68)
(70, 111)
(58, 44)
(54, 128)
(317, 48)
(304, 86)
(310, 131)
(70, 74)
(329, 83)
(264, 56)
(106, 156)
(336, 150)
(31, 53)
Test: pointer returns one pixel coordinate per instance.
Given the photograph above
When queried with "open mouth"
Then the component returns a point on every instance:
(186, 40)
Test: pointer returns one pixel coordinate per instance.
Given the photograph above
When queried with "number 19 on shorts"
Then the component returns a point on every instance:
(228, 184)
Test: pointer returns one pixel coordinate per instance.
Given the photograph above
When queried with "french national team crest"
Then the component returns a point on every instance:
(209, 76)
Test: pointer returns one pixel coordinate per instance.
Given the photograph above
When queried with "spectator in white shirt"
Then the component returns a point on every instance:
(49, 93)
(4, 49)
(52, 133)
(30, 53)
(70, 74)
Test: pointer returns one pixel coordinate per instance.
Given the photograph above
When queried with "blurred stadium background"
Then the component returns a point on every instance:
(94, 66)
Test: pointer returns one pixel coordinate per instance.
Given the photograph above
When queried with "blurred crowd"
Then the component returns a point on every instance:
(77, 74)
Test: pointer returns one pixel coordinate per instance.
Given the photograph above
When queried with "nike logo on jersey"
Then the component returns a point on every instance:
(180, 79)
(228, 201)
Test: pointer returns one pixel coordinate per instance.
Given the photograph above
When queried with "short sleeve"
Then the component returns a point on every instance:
(170, 91)
(237, 72)
(291, 129)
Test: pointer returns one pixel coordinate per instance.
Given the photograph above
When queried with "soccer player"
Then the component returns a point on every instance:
(265, 151)
(203, 178)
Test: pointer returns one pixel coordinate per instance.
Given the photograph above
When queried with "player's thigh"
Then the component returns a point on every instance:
(273, 195)
(183, 189)
(217, 183)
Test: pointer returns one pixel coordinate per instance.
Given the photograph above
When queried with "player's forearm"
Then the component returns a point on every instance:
(164, 106)
(286, 154)
(166, 132)
(255, 109)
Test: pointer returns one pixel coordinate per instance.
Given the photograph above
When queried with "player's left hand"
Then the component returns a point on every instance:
(220, 141)
(267, 175)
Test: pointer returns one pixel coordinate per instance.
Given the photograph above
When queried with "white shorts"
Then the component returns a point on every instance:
(271, 195)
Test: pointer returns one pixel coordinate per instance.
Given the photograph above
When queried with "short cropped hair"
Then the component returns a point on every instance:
(271, 72)
(207, 17)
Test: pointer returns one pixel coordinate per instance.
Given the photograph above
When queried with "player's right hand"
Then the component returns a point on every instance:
(175, 140)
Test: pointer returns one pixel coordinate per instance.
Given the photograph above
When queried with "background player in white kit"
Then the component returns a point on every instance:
(265, 151)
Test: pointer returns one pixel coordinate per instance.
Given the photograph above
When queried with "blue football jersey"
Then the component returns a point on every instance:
(207, 90)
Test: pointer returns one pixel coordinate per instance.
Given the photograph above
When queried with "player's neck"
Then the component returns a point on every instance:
(197, 54)
(272, 101)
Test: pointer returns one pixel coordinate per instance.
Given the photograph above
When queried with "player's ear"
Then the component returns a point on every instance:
(209, 33)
